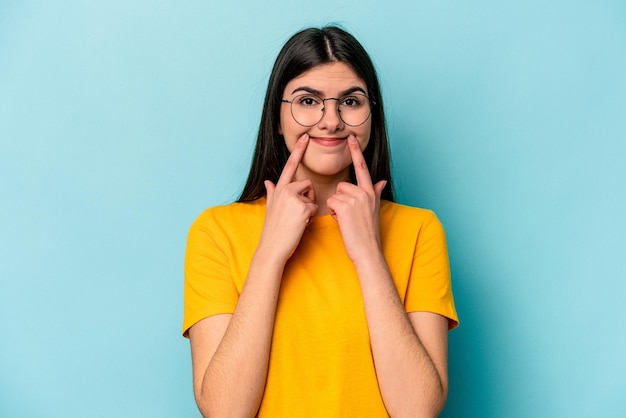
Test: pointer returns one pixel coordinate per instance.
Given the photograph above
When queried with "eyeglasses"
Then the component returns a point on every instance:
(353, 109)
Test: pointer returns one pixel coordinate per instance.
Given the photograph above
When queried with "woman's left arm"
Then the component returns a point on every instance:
(410, 350)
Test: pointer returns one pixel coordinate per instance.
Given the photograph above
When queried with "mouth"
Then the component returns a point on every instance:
(328, 141)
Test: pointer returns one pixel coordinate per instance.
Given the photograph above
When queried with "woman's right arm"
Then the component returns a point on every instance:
(230, 353)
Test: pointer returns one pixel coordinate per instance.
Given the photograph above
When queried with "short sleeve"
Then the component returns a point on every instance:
(430, 286)
(209, 288)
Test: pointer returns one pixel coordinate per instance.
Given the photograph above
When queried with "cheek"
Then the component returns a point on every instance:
(364, 136)
(289, 129)
(284, 121)
(280, 123)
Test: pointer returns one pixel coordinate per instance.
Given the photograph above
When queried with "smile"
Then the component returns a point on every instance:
(328, 142)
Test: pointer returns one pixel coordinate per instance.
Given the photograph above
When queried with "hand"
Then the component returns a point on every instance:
(356, 208)
(290, 205)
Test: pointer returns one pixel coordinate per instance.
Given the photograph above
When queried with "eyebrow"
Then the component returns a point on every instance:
(319, 93)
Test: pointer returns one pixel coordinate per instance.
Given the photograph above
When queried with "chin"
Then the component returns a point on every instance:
(327, 165)
(329, 171)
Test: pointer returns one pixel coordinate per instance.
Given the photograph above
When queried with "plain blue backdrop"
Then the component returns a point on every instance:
(120, 121)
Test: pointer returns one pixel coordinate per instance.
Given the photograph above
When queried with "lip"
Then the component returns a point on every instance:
(328, 141)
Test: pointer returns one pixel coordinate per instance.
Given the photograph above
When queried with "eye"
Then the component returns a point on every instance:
(352, 101)
(308, 100)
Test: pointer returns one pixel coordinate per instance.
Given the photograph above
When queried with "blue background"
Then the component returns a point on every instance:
(120, 121)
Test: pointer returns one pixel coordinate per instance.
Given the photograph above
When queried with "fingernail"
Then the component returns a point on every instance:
(303, 138)
(352, 138)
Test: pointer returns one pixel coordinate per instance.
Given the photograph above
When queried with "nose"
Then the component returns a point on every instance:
(331, 120)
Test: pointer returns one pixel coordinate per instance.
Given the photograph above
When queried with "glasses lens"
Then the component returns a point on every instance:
(308, 109)
(354, 109)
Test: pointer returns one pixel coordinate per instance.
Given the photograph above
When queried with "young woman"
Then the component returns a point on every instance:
(315, 295)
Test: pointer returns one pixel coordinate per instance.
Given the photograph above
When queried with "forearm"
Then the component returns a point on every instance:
(235, 378)
(410, 384)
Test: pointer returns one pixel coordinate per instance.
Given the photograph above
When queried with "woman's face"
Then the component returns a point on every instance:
(327, 153)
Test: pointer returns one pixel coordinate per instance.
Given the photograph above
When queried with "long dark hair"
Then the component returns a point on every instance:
(303, 51)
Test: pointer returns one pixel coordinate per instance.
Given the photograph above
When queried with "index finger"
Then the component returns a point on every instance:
(291, 166)
(363, 178)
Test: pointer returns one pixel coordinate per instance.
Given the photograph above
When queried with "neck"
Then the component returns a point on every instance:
(325, 186)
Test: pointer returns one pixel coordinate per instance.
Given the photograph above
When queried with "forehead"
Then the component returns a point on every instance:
(328, 78)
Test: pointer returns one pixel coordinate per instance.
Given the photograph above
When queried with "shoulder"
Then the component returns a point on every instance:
(407, 224)
(392, 213)
(228, 223)
(237, 225)
(231, 215)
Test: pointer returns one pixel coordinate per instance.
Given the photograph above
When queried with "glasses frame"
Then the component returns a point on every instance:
(337, 99)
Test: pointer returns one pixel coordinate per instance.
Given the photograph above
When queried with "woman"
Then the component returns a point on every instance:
(314, 294)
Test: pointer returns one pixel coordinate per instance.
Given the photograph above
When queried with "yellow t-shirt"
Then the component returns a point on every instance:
(320, 362)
